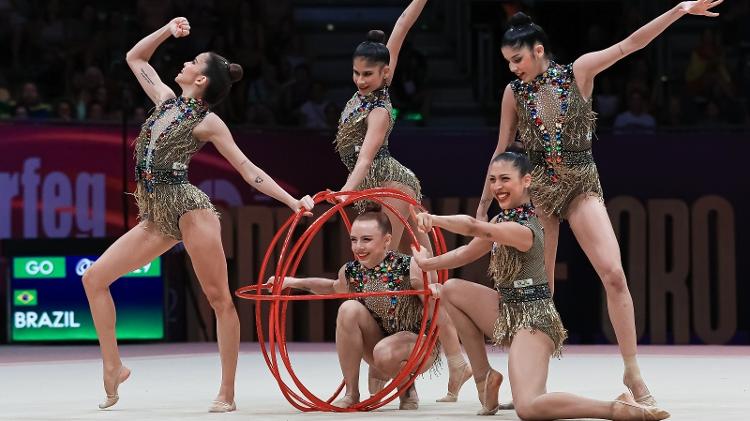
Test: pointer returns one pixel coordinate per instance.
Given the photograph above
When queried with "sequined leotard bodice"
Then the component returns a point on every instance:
(556, 125)
(351, 136)
(394, 313)
(163, 151)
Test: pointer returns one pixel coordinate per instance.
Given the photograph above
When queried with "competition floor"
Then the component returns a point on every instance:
(178, 381)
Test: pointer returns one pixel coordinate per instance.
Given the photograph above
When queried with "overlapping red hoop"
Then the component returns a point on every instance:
(289, 259)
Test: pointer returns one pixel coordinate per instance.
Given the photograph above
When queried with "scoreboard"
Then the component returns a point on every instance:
(47, 301)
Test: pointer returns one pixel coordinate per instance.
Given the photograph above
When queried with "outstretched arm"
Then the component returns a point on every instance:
(508, 127)
(138, 57)
(316, 285)
(589, 65)
(455, 258)
(377, 126)
(403, 24)
(510, 233)
(212, 129)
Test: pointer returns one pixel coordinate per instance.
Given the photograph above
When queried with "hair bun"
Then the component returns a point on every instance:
(373, 207)
(520, 19)
(516, 147)
(235, 72)
(376, 35)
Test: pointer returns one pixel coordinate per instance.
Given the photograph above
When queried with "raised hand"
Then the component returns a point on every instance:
(700, 7)
(179, 27)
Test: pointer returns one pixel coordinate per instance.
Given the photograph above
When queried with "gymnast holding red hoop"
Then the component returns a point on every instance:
(382, 330)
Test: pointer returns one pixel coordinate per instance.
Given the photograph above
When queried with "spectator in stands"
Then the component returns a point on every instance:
(638, 77)
(101, 96)
(409, 92)
(606, 102)
(298, 90)
(263, 97)
(636, 118)
(295, 52)
(312, 112)
(707, 69)
(64, 110)
(7, 104)
(64, 46)
(32, 101)
(95, 111)
(20, 113)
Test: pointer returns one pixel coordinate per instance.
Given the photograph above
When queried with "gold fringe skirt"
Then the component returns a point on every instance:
(578, 176)
(409, 312)
(168, 203)
(408, 318)
(383, 170)
(538, 315)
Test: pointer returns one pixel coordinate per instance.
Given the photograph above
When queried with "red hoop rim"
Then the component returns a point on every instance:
(288, 263)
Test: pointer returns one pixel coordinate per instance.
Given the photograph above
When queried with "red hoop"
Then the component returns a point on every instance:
(279, 299)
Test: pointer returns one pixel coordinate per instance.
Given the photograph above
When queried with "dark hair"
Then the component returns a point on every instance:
(374, 212)
(524, 33)
(221, 75)
(373, 50)
(516, 146)
(519, 160)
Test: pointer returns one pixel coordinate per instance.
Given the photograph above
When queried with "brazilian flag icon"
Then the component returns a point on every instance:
(24, 297)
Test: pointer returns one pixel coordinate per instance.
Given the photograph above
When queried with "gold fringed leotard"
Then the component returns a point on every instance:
(556, 125)
(526, 300)
(163, 151)
(351, 135)
(398, 313)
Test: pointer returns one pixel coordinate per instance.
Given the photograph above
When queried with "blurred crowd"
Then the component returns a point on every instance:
(64, 60)
(704, 81)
